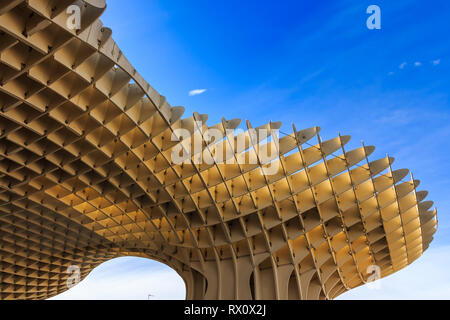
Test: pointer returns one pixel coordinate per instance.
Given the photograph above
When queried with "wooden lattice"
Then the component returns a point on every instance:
(86, 175)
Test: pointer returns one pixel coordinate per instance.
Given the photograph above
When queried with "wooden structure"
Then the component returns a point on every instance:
(86, 175)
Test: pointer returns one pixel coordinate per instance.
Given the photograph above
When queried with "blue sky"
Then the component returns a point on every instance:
(311, 63)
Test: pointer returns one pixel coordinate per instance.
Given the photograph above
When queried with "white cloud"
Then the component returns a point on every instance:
(391, 73)
(436, 62)
(196, 92)
(397, 117)
(417, 64)
(135, 278)
(403, 65)
(427, 278)
(128, 279)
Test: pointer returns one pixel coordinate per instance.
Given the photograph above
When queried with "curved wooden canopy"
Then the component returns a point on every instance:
(86, 175)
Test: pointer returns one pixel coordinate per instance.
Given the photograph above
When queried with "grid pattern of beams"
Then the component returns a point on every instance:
(86, 175)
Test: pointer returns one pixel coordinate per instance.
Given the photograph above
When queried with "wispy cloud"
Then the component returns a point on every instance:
(137, 278)
(426, 278)
(436, 62)
(128, 278)
(196, 92)
(397, 117)
(416, 64)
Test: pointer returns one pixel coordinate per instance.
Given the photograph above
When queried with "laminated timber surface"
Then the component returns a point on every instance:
(86, 176)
